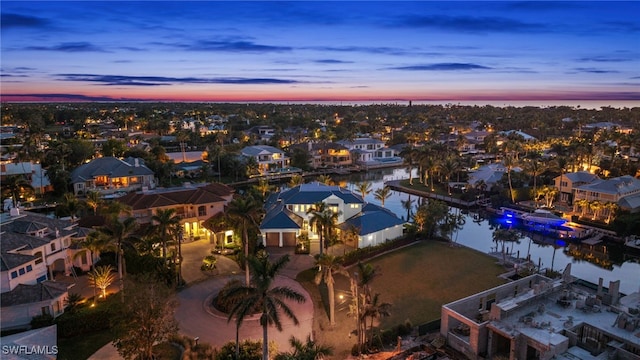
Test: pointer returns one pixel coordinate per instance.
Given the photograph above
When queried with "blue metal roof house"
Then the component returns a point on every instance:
(286, 217)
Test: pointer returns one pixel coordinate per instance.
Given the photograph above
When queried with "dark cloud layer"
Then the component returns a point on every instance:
(68, 47)
(10, 20)
(233, 46)
(469, 24)
(163, 80)
(442, 67)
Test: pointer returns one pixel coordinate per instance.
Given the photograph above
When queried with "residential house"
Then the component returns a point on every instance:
(623, 191)
(488, 175)
(194, 204)
(523, 135)
(287, 216)
(326, 154)
(566, 184)
(34, 248)
(30, 171)
(540, 318)
(108, 175)
(268, 158)
(261, 133)
(370, 152)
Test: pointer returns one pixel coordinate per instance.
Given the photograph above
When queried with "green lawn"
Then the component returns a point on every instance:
(83, 346)
(416, 280)
(419, 279)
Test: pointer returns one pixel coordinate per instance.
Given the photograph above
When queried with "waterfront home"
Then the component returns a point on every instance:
(623, 192)
(30, 171)
(325, 154)
(566, 183)
(287, 216)
(194, 204)
(268, 158)
(108, 175)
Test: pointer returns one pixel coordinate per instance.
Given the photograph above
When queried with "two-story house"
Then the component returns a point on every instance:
(325, 154)
(268, 158)
(623, 191)
(363, 150)
(287, 216)
(108, 175)
(566, 184)
(194, 204)
(35, 248)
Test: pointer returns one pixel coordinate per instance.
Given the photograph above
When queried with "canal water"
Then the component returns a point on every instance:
(604, 260)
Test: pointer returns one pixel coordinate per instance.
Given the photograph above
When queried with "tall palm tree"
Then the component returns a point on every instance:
(374, 309)
(244, 213)
(94, 244)
(296, 180)
(263, 297)
(165, 224)
(329, 265)
(503, 236)
(407, 205)
(119, 232)
(15, 187)
(509, 163)
(263, 187)
(408, 155)
(364, 188)
(535, 167)
(383, 194)
(316, 220)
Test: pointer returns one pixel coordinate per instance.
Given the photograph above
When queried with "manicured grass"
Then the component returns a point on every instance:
(83, 346)
(438, 188)
(416, 280)
(419, 279)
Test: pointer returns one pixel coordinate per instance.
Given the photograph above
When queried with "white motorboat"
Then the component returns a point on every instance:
(546, 217)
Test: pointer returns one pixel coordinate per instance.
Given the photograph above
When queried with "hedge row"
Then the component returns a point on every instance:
(368, 252)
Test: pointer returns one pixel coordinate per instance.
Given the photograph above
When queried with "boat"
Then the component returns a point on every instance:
(632, 243)
(545, 217)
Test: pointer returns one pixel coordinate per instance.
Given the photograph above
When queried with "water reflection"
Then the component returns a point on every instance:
(604, 260)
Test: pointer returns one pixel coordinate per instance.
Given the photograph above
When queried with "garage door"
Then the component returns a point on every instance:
(289, 239)
(273, 239)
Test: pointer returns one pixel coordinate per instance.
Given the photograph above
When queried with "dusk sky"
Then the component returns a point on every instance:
(320, 51)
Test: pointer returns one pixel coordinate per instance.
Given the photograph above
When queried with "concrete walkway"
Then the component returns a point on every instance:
(197, 319)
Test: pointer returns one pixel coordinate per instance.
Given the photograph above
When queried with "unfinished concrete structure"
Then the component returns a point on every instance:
(539, 318)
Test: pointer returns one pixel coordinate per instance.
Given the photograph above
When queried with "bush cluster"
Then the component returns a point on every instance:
(364, 253)
(87, 320)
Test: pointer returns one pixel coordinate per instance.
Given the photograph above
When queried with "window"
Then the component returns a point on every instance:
(53, 247)
(84, 258)
(14, 274)
(21, 271)
(45, 310)
(29, 268)
(202, 210)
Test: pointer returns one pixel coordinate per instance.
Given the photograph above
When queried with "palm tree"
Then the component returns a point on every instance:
(408, 155)
(101, 277)
(535, 167)
(583, 204)
(383, 194)
(93, 201)
(244, 213)
(325, 179)
(611, 208)
(16, 187)
(503, 236)
(374, 309)
(407, 205)
(317, 220)
(263, 187)
(94, 244)
(509, 163)
(263, 297)
(71, 205)
(118, 232)
(165, 225)
(364, 188)
(296, 180)
(310, 350)
(328, 265)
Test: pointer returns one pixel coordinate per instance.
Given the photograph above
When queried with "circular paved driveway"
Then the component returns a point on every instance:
(196, 320)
